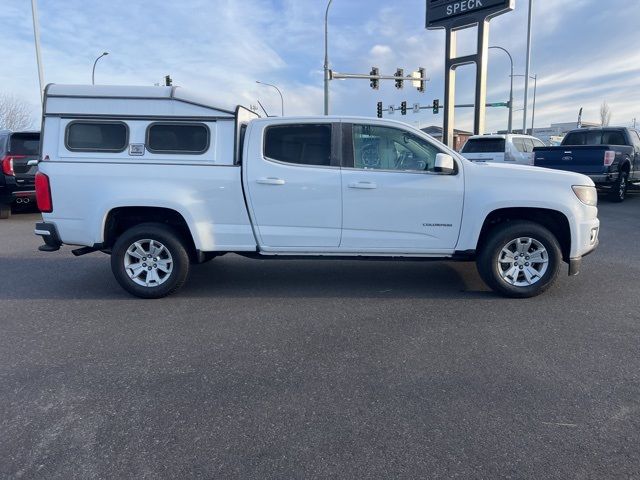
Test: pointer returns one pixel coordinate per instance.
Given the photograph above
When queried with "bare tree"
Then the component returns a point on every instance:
(15, 113)
(605, 114)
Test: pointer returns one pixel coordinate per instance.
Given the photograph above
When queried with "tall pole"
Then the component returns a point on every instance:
(93, 72)
(510, 124)
(281, 97)
(36, 35)
(526, 74)
(326, 59)
(533, 113)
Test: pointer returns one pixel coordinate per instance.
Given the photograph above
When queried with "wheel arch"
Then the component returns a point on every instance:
(120, 219)
(555, 221)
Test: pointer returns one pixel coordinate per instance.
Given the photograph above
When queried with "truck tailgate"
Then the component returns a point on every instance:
(580, 159)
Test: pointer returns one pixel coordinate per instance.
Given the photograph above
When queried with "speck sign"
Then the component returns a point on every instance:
(461, 13)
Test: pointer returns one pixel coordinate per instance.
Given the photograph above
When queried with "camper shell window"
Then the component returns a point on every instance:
(95, 136)
(184, 138)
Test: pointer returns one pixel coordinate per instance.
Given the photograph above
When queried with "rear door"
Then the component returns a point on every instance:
(484, 149)
(23, 148)
(294, 185)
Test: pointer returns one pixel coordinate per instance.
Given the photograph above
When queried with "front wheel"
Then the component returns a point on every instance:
(150, 261)
(520, 259)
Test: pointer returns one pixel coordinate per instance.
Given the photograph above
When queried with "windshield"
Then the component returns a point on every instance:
(484, 145)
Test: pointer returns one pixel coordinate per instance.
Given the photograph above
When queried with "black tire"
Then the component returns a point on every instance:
(177, 257)
(5, 211)
(491, 251)
(619, 188)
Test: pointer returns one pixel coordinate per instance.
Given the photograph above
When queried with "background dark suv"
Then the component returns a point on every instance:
(18, 156)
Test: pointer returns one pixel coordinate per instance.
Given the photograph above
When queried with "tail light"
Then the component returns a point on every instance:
(609, 157)
(43, 193)
(7, 164)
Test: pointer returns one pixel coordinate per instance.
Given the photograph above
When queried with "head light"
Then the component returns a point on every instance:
(587, 195)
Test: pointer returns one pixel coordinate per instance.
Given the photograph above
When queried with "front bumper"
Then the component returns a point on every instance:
(587, 242)
(49, 234)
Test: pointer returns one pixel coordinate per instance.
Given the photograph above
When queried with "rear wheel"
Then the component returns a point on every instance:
(619, 189)
(520, 259)
(150, 261)
(5, 211)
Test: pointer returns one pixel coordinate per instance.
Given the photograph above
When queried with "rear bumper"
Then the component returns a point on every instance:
(49, 234)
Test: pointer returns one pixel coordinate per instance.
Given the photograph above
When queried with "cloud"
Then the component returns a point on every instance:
(221, 47)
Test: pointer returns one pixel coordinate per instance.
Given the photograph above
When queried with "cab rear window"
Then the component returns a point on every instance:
(484, 145)
(24, 144)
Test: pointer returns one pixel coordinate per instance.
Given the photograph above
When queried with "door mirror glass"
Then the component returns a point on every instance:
(444, 164)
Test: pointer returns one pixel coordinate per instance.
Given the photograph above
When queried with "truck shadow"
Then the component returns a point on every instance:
(60, 276)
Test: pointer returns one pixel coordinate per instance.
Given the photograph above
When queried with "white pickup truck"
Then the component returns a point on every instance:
(160, 179)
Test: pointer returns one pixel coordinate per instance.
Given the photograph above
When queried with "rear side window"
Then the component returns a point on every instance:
(538, 143)
(301, 144)
(186, 138)
(97, 136)
(484, 145)
(24, 144)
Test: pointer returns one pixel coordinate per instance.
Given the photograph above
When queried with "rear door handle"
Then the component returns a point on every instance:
(271, 181)
(364, 185)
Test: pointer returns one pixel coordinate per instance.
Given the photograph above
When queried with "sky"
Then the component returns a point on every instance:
(584, 52)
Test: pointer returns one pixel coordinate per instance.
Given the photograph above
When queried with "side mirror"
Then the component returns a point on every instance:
(444, 164)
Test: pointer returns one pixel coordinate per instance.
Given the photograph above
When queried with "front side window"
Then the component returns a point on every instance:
(186, 138)
(97, 136)
(299, 144)
(385, 148)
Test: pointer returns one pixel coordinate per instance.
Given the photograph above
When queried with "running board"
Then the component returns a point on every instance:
(83, 251)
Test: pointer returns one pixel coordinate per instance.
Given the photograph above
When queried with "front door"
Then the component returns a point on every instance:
(393, 198)
(294, 186)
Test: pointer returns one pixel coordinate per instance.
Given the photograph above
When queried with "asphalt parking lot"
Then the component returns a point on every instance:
(319, 369)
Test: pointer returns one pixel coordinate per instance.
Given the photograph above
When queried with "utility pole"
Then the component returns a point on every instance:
(36, 35)
(326, 59)
(526, 81)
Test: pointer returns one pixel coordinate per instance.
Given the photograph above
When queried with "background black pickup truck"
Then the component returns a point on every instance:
(18, 165)
(610, 156)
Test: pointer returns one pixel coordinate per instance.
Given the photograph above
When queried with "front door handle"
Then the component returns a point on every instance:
(364, 185)
(271, 181)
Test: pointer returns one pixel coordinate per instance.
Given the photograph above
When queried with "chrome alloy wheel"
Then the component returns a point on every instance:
(148, 263)
(523, 262)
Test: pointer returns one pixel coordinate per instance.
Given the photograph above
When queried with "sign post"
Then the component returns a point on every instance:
(454, 15)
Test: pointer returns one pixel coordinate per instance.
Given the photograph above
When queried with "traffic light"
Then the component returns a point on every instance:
(167, 81)
(436, 107)
(403, 108)
(423, 81)
(399, 81)
(379, 109)
(375, 82)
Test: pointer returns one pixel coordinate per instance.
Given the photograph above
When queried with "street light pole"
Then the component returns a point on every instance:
(281, 97)
(93, 72)
(36, 36)
(510, 125)
(326, 59)
(526, 82)
(533, 113)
